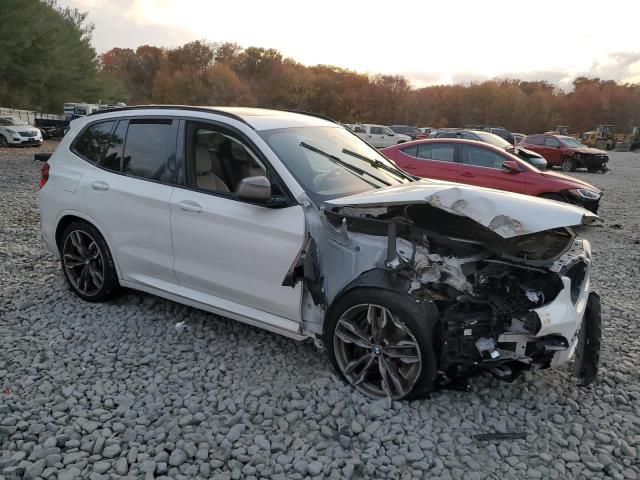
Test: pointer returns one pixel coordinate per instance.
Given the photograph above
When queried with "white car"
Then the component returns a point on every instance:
(15, 132)
(292, 223)
(378, 135)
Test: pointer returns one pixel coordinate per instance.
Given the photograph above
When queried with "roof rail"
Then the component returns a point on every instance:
(174, 107)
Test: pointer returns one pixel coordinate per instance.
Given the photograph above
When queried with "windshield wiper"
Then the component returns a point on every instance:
(351, 168)
(379, 164)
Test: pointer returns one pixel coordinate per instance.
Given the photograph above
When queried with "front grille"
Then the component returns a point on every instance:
(28, 134)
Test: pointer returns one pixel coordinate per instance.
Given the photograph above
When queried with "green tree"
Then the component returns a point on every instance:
(46, 57)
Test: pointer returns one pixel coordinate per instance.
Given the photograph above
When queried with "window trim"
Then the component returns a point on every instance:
(181, 164)
(73, 149)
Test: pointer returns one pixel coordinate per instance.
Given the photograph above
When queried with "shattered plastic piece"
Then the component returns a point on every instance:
(534, 296)
(487, 345)
(180, 326)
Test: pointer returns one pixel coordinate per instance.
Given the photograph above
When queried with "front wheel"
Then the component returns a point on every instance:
(568, 165)
(87, 263)
(3, 142)
(380, 341)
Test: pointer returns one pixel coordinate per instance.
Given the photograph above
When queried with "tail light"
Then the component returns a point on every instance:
(44, 174)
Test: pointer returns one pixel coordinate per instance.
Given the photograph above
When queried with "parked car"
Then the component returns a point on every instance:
(567, 152)
(529, 156)
(378, 135)
(292, 223)
(16, 132)
(501, 132)
(426, 130)
(412, 132)
(485, 165)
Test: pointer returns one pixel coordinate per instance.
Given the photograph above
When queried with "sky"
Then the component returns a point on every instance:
(430, 42)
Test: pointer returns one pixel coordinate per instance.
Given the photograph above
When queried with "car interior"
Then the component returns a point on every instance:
(221, 162)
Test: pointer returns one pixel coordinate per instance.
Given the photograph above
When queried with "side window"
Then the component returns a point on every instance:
(551, 142)
(534, 140)
(442, 152)
(217, 161)
(376, 131)
(468, 136)
(93, 141)
(387, 131)
(146, 148)
(359, 129)
(481, 157)
(411, 151)
(113, 158)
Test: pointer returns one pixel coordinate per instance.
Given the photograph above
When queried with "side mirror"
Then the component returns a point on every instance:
(254, 189)
(511, 166)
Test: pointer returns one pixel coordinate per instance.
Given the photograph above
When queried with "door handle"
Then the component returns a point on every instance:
(100, 185)
(189, 206)
(466, 174)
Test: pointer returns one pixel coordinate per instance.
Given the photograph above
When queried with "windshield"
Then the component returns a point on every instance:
(571, 142)
(493, 139)
(331, 162)
(6, 121)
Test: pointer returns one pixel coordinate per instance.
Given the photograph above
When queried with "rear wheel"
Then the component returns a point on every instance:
(380, 342)
(568, 165)
(87, 263)
(593, 169)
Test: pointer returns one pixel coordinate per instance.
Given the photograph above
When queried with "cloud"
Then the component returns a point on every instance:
(619, 66)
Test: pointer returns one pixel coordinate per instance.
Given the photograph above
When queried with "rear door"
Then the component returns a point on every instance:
(482, 166)
(431, 160)
(128, 196)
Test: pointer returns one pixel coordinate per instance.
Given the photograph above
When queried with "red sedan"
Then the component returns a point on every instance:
(477, 163)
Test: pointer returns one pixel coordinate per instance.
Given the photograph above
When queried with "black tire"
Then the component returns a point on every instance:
(109, 286)
(568, 164)
(590, 341)
(594, 169)
(3, 142)
(416, 316)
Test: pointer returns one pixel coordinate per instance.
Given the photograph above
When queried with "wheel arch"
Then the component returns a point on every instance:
(67, 218)
(381, 278)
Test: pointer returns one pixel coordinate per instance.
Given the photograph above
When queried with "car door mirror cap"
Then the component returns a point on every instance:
(254, 189)
(511, 166)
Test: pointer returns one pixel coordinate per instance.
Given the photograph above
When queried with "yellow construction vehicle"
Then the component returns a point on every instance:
(631, 141)
(602, 137)
(562, 130)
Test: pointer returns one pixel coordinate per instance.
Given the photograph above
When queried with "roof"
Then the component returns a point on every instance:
(256, 118)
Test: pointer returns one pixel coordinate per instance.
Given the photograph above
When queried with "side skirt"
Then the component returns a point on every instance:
(222, 307)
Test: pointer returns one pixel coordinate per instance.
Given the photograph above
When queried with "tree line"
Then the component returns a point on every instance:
(47, 59)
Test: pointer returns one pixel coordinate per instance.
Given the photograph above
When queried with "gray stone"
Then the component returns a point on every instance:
(178, 457)
(112, 451)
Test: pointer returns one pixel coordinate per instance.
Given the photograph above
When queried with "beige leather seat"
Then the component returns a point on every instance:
(205, 178)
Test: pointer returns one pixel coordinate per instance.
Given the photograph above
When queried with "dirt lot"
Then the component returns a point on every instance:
(116, 390)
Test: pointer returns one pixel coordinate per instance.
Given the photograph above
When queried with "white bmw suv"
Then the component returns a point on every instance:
(290, 222)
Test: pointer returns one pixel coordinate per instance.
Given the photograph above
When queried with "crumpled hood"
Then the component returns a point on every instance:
(570, 182)
(590, 151)
(507, 214)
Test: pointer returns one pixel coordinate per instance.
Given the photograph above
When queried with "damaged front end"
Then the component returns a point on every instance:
(510, 295)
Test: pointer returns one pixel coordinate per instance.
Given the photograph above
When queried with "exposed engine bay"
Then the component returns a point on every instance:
(501, 301)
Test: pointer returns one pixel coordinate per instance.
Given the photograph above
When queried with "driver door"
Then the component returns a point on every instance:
(231, 252)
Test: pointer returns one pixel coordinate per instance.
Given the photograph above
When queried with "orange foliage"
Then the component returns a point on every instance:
(199, 73)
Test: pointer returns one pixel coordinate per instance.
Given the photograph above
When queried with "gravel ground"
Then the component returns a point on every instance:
(118, 390)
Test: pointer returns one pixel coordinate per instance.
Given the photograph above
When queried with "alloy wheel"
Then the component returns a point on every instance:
(83, 262)
(567, 165)
(376, 352)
